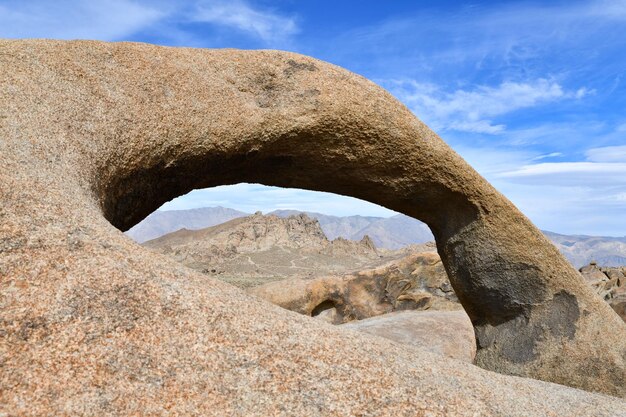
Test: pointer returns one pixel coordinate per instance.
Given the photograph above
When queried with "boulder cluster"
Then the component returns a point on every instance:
(609, 283)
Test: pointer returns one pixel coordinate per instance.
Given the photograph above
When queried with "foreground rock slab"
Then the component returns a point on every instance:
(447, 333)
(96, 135)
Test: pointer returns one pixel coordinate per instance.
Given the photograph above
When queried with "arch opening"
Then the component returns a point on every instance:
(250, 234)
(324, 307)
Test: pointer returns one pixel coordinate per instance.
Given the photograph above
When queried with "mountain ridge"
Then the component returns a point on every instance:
(386, 232)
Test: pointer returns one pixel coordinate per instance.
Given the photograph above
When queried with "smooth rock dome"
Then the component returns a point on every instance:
(94, 136)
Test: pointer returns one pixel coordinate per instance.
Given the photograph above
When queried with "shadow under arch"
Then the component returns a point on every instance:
(204, 118)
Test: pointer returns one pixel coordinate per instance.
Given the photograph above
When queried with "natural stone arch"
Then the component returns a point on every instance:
(287, 120)
(115, 130)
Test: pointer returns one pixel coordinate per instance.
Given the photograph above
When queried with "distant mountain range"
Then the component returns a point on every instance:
(160, 223)
(390, 233)
(580, 249)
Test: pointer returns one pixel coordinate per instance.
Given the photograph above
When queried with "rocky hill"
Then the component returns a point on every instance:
(260, 248)
(389, 233)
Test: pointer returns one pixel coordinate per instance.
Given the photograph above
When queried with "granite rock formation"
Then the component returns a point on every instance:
(609, 283)
(95, 136)
(415, 282)
(263, 248)
(447, 333)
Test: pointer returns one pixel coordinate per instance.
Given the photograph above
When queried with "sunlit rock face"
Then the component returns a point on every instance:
(250, 250)
(447, 333)
(416, 281)
(95, 136)
(609, 283)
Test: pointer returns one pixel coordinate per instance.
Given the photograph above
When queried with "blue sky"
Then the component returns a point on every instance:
(532, 94)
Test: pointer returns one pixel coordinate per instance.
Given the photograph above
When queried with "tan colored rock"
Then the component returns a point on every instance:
(618, 303)
(251, 250)
(95, 135)
(447, 333)
(609, 283)
(415, 282)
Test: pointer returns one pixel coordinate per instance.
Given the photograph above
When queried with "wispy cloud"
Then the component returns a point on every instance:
(579, 174)
(270, 26)
(607, 154)
(586, 197)
(548, 156)
(159, 20)
(75, 19)
(572, 197)
(610, 9)
(474, 110)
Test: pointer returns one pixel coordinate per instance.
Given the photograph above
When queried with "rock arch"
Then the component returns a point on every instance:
(94, 131)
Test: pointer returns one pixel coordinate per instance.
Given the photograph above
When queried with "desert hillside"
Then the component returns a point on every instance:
(291, 262)
(388, 233)
(162, 222)
(261, 248)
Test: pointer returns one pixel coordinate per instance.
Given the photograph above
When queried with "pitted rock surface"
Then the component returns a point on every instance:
(95, 136)
(447, 333)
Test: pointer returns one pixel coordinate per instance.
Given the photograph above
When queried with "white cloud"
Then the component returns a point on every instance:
(586, 174)
(474, 110)
(118, 19)
(569, 134)
(547, 156)
(584, 92)
(268, 26)
(477, 126)
(607, 154)
(75, 19)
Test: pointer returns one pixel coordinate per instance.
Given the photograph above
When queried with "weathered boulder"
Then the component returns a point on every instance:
(447, 333)
(415, 282)
(95, 136)
(609, 283)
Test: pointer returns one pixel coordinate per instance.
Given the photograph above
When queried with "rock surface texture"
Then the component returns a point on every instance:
(447, 333)
(95, 136)
(609, 283)
(415, 282)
